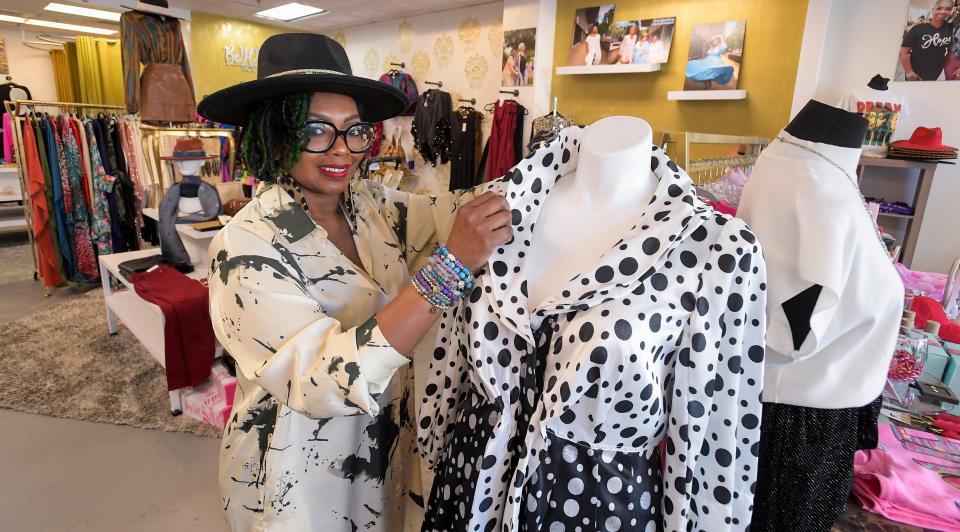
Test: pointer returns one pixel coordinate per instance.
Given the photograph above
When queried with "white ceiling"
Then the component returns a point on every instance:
(340, 13)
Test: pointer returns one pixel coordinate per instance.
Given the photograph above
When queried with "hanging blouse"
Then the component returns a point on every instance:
(149, 39)
(548, 418)
(431, 126)
(47, 260)
(102, 190)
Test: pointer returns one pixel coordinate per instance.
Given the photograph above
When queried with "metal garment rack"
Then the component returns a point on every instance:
(13, 109)
(679, 146)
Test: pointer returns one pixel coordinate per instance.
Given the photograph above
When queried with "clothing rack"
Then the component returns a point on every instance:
(679, 146)
(401, 65)
(471, 101)
(437, 84)
(514, 92)
(13, 108)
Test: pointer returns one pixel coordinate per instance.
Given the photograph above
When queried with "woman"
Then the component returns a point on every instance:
(656, 50)
(522, 64)
(510, 72)
(951, 68)
(711, 69)
(309, 293)
(925, 47)
(641, 49)
(593, 47)
(627, 44)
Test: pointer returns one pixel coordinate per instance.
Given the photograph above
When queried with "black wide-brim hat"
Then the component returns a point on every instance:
(294, 63)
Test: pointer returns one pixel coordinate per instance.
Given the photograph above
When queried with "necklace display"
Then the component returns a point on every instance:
(853, 183)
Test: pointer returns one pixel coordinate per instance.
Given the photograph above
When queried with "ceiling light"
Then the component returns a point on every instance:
(57, 25)
(83, 11)
(288, 12)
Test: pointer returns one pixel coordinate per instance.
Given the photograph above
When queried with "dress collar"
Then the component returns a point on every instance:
(673, 212)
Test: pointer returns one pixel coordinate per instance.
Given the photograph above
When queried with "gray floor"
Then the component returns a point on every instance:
(62, 474)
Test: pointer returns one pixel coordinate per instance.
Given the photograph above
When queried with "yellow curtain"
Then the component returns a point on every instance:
(62, 77)
(70, 52)
(99, 71)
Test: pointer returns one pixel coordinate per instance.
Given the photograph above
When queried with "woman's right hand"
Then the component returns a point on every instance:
(480, 226)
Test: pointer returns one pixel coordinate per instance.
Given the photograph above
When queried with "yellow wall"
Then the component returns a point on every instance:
(208, 36)
(768, 73)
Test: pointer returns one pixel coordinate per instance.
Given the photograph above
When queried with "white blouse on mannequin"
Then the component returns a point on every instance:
(542, 417)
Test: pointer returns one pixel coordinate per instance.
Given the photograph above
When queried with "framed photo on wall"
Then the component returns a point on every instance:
(592, 36)
(716, 52)
(641, 42)
(930, 46)
(519, 55)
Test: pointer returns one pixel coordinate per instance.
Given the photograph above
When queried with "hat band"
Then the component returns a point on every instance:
(305, 71)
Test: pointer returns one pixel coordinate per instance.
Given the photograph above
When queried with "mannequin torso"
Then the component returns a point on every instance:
(589, 209)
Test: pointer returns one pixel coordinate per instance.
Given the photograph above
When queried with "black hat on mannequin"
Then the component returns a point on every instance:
(292, 63)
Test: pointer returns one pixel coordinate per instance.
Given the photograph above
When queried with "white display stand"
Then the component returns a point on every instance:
(197, 243)
(708, 95)
(144, 319)
(607, 69)
(11, 216)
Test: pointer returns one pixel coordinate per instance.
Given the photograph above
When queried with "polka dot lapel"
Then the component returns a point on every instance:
(672, 214)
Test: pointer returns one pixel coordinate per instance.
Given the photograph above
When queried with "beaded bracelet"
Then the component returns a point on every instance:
(443, 281)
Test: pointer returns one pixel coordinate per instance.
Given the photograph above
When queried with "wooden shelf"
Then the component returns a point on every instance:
(896, 163)
(606, 69)
(707, 95)
(892, 215)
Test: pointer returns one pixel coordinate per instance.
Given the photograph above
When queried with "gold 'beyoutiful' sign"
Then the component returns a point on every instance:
(244, 57)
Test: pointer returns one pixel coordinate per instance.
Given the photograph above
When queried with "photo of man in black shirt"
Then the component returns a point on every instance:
(924, 49)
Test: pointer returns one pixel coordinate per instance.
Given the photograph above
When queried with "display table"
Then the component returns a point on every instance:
(196, 242)
(143, 319)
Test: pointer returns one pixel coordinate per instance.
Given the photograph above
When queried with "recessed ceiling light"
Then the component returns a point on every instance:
(57, 25)
(83, 11)
(288, 12)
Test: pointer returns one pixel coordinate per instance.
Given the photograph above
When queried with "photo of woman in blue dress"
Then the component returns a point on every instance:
(714, 62)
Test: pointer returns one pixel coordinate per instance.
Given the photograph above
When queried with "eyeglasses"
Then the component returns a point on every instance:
(319, 136)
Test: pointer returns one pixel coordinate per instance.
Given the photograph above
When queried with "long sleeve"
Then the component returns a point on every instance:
(284, 341)
(712, 437)
(130, 58)
(423, 222)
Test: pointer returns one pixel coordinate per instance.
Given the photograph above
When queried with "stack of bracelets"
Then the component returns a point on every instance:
(444, 280)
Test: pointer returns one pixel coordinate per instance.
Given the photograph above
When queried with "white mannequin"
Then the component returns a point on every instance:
(190, 167)
(589, 211)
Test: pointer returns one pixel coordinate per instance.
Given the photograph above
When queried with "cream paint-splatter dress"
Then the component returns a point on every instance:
(322, 432)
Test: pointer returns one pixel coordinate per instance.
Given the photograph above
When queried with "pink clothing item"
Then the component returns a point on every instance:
(722, 207)
(905, 486)
(7, 138)
(932, 284)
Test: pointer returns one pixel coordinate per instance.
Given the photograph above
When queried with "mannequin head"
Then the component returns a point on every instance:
(190, 167)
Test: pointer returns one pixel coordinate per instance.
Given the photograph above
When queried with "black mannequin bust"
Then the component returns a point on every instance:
(878, 82)
(818, 122)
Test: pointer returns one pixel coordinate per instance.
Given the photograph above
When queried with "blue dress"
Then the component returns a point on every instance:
(711, 68)
(641, 49)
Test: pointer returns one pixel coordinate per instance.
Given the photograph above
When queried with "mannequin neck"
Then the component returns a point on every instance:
(878, 82)
(614, 161)
(821, 123)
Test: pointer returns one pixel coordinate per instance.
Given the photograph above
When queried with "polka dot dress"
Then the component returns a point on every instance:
(550, 418)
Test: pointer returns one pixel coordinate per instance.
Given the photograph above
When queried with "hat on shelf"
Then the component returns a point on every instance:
(292, 63)
(188, 149)
(924, 139)
(154, 7)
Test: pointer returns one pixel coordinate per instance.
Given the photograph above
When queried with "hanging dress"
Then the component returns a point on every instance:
(711, 68)
(87, 267)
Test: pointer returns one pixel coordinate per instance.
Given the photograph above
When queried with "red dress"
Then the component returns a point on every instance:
(46, 254)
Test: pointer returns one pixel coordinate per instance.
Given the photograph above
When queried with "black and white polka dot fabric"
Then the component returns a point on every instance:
(551, 419)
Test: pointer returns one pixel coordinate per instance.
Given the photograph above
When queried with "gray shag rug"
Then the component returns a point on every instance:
(16, 263)
(61, 361)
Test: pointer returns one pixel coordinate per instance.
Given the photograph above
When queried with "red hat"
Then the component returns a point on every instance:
(924, 139)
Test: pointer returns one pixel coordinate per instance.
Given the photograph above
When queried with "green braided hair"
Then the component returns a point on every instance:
(271, 141)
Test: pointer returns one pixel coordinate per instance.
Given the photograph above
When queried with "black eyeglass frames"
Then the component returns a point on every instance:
(319, 136)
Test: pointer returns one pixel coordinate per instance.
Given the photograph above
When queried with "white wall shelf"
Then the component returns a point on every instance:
(606, 69)
(708, 95)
